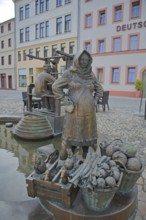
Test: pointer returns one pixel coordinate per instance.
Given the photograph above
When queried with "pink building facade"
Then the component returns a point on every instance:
(114, 32)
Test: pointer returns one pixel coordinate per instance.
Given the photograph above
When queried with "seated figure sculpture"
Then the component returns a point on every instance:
(43, 87)
(80, 127)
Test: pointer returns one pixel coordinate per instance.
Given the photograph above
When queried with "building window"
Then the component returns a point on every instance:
(30, 53)
(24, 54)
(2, 29)
(102, 17)
(63, 47)
(100, 74)
(62, 69)
(42, 30)
(133, 42)
(135, 9)
(115, 75)
(101, 46)
(58, 3)
(22, 77)
(88, 46)
(21, 16)
(9, 59)
(19, 55)
(67, 1)
(2, 44)
(54, 48)
(2, 60)
(36, 31)
(30, 71)
(27, 11)
(131, 75)
(36, 7)
(9, 26)
(47, 5)
(67, 23)
(21, 35)
(42, 6)
(47, 29)
(27, 34)
(38, 52)
(9, 42)
(116, 44)
(71, 47)
(118, 13)
(46, 50)
(59, 25)
(3, 80)
(88, 21)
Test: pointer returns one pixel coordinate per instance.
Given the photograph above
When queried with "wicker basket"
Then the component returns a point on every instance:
(129, 180)
(99, 199)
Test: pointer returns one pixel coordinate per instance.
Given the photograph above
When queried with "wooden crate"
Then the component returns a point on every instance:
(64, 194)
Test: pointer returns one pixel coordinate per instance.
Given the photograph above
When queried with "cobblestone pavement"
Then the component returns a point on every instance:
(124, 120)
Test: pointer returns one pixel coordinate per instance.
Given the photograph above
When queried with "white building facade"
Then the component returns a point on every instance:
(7, 55)
(42, 27)
(114, 32)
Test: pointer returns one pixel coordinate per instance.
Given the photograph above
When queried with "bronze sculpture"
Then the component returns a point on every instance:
(80, 128)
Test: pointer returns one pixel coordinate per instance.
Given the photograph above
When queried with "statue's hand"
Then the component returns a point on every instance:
(69, 108)
(69, 104)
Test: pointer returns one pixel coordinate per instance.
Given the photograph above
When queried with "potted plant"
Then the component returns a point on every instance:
(138, 87)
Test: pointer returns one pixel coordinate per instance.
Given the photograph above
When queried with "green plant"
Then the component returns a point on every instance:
(139, 85)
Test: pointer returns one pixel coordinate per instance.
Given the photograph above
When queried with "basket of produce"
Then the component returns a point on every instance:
(132, 170)
(99, 179)
(130, 164)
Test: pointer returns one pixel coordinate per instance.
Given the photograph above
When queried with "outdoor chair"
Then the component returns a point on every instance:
(103, 101)
(36, 102)
(24, 99)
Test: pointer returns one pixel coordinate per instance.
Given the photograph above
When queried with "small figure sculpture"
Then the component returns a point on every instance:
(80, 128)
(43, 83)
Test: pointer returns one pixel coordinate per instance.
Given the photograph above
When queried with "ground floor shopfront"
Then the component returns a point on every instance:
(118, 72)
(7, 79)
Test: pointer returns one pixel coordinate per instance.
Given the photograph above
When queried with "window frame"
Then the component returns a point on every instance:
(9, 59)
(114, 45)
(115, 75)
(88, 44)
(37, 51)
(114, 11)
(9, 42)
(136, 47)
(131, 82)
(58, 3)
(27, 11)
(27, 34)
(41, 30)
(131, 17)
(67, 24)
(63, 47)
(46, 51)
(59, 25)
(54, 48)
(21, 13)
(99, 23)
(99, 46)
(21, 35)
(88, 24)
(71, 47)
(100, 79)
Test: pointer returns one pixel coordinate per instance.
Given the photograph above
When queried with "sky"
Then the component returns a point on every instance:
(6, 10)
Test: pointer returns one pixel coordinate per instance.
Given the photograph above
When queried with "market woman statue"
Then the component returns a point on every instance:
(80, 128)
